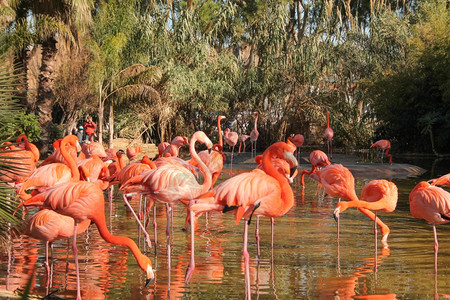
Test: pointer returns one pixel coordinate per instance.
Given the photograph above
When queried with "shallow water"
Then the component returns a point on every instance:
(306, 261)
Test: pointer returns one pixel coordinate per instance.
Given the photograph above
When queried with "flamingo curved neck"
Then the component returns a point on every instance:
(328, 119)
(69, 160)
(256, 120)
(287, 195)
(206, 185)
(219, 128)
(114, 239)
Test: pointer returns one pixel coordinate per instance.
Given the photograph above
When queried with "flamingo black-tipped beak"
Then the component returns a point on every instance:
(336, 214)
(293, 171)
(150, 276)
(209, 151)
(148, 281)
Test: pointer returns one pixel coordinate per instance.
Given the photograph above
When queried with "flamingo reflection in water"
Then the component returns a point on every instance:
(355, 287)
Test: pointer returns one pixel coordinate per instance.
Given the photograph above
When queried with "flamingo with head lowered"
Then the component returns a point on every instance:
(383, 145)
(82, 201)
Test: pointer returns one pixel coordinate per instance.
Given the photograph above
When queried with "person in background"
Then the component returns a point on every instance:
(89, 127)
(80, 133)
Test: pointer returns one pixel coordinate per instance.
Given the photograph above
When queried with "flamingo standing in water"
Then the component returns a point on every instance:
(383, 145)
(339, 182)
(431, 203)
(231, 138)
(329, 136)
(84, 201)
(375, 195)
(48, 226)
(242, 139)
(214, 160)
(264, 192)
(298, 141)
(171, 183)
(254, 135)
(318, 159)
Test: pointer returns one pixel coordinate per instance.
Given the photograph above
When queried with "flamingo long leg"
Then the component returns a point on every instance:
(258, 251)
(246, 261)
(375, 231)
(75, 255)
(191, 266)
(436, 248)
(147, 237)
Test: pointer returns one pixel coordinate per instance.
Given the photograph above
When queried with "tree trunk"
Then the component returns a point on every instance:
(111, 125)
(46, 96)
(101, 108)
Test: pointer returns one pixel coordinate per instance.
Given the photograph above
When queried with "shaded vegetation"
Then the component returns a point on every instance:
(155, 69)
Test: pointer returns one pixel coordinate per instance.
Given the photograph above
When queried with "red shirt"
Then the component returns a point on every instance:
(89, 127)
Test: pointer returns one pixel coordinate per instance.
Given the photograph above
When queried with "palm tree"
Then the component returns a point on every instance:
(9, 108)
(48, 23)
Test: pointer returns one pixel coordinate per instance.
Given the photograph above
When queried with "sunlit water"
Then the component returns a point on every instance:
(306, 261)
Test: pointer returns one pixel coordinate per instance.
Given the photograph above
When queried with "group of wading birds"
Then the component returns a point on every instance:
(68, 188)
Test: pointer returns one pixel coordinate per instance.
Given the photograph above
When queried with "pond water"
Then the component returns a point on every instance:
(306, 261)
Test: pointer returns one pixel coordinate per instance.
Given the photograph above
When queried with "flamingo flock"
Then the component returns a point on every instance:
(68, 190)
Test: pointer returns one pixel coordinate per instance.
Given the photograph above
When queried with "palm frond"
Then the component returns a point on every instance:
(8, 108)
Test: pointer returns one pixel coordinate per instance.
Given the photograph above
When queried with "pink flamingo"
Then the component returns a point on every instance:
(242, 139)
(174, 148)
(375, 195)
(254, 135)
(329, 136)
(339, 182)
(298, 141)
(84, 201)
(48, 226)
(260, 192)
(318, 159)
(231, 138)
(93, 148)
(171, 183)
(443, 180)
(132, 152)
(24, 144)
(431, 203)
(15, 155)
(214, 160)
(49, 175)
(161, 147)
(383, 145)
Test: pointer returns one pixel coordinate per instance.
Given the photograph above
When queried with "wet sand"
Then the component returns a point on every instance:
(244, 161)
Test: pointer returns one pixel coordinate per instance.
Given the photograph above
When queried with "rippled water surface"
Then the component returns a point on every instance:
(306, 260)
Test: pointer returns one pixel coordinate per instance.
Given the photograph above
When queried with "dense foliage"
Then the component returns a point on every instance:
(156, 69)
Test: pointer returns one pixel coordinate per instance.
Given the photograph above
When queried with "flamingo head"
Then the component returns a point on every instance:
(146, 265)
(283, 151)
